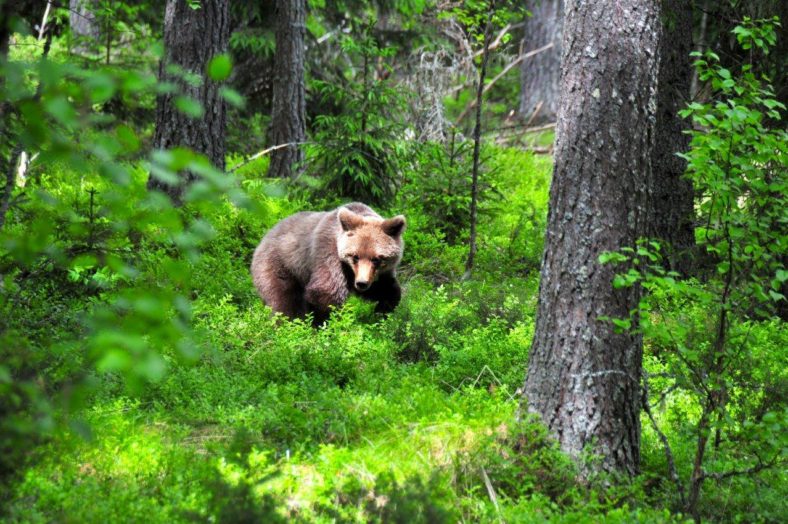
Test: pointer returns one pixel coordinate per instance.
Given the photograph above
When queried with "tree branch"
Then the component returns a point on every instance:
(497, 41)
(756, 468)
(500, 75)
(263, 153)
(665, 443)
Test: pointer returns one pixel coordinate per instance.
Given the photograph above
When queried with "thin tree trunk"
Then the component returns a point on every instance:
(7, 12)
(288, 119)
(584, 378)
(8, 139)
(8, 151)
(477, 140)
(192, 37)
(672, 211)
(540, 73)
(9, 171)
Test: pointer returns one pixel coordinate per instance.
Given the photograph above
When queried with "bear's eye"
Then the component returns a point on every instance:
(355, 259)
(376, 261)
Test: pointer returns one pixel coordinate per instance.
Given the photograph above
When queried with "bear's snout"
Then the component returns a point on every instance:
(364, 274)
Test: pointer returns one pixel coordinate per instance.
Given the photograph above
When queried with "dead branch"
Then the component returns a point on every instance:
(514, 63)
(501, 74)
(262, 154)
(43, 27)
(499, 38)
(491, 492)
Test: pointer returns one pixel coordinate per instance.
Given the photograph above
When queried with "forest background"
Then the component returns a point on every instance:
(146, 147)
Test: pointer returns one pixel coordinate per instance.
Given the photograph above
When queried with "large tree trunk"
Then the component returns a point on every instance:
(191, 38)
(583, 377)
(85, 29)
(289, 105)
(540, 73)
(672, 211)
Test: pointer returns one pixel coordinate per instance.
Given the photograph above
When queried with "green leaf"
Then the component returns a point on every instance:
(101, 87)
(127, 138)
(189, 106)
(60, 108)
(114, 360)
(611, 256)
(220, 67)
(233, 97)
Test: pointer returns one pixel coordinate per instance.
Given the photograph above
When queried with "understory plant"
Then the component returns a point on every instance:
(79, 232)
(358, 150)
(715, 344)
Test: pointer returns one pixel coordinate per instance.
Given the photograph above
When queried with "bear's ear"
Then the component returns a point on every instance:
(394, 227)
(348, 219)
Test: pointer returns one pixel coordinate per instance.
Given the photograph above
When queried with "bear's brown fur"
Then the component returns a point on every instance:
(311, 261)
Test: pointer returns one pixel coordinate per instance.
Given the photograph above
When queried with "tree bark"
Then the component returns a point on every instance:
(85, 28)
(584, 378)
(672, 210)
(540, 73)
(288, 119)
(192, 37)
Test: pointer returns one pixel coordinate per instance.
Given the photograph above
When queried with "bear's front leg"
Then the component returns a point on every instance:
(327, 287)
(386, 292)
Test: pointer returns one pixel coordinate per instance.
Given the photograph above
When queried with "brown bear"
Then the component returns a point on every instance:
(311, 261)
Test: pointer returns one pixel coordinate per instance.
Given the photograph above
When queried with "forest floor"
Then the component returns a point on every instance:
(402, 419)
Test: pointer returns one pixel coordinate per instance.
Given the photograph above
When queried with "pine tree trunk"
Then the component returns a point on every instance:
(192, 37)
(584, 378)
(672, 211)
(289, 104)
(540, 73)
(85, 28)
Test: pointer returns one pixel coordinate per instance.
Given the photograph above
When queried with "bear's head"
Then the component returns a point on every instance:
(369, 245)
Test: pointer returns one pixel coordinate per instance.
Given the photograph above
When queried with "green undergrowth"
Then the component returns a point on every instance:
(407, 418)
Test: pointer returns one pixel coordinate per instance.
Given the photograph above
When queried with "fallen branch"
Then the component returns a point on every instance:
(535, 112)
(523, 128)
(491, 492)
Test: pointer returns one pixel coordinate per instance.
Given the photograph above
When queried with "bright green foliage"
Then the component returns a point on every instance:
(125, 31)
(441, 180)
(366, 419)
(219, 68)
(141, 379)
(473, 15)
(739, 165)
(436, 192)
(87, 236)
(716, 361)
